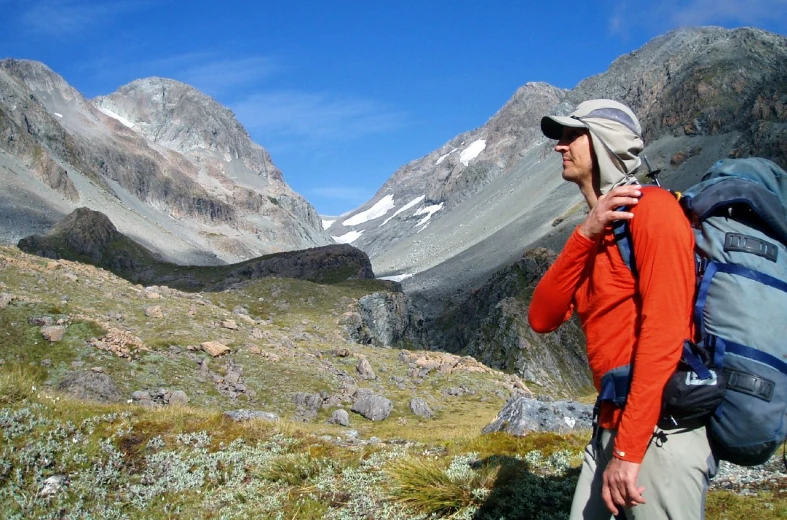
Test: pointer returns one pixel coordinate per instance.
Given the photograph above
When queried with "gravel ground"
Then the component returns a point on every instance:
(748, 480)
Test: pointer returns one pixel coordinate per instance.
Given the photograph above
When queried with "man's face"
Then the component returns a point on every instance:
(577, 151)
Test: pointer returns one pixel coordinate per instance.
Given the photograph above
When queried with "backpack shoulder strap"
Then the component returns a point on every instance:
(622, 234)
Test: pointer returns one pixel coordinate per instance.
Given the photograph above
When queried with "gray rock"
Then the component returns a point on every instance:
(250, 415)
(53, 333)
(340, 417)
(53, 485)
(154, 311)
(178, 398)
(5, 299)
(386, 320)
(41, 321)
(91, 385)
(365, 370)
(420, 408)
(521, 415)
(307, 405)
(373, 407)
(140, 395)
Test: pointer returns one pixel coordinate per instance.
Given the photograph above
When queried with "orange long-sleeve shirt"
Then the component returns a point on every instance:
(642, 320)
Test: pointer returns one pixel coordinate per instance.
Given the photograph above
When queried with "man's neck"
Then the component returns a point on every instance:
(589, 192)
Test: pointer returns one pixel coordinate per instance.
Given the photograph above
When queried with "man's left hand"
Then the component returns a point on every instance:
(620, 485)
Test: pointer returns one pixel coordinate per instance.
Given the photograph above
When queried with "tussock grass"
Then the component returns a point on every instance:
(437, 488)
(18, 382)
(294, 469)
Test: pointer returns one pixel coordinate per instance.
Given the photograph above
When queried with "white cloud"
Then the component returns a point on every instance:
(350, 193)
(317, 116)
(664, 15)
(745, 12)
(219, 76)
(65, 18)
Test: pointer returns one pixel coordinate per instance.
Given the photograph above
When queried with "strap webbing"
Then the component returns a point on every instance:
(620, 230)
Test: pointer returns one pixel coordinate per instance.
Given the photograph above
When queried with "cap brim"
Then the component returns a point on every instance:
(552, 126)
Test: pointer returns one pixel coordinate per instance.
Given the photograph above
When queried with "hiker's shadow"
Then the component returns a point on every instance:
(522, 491)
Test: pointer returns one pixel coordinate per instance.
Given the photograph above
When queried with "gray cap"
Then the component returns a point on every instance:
(616, 135)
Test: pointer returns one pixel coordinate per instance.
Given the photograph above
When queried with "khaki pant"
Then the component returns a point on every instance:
(675, 473)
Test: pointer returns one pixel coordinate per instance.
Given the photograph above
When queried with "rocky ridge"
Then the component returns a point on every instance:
(89, 236)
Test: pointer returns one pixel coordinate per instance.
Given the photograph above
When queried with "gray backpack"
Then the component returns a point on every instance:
(736, 375)
(738, 214)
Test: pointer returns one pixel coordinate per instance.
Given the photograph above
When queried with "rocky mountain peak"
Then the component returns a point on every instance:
(180, 117)
(36, 76)
(157, 151)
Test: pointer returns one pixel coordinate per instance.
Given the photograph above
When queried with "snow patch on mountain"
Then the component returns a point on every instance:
(404, 208)
(428, 211)
(472, 151)
(327, 223)
(442, 157)
(348, 238)
(113, 115)
(396, 278)
(382, 207)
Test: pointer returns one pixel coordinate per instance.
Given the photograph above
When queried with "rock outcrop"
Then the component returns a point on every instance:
(522, 415)
(89, 236)
(491, 325)
(386, 319)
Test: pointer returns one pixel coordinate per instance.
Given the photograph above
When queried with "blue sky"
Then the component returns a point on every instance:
(342, 93)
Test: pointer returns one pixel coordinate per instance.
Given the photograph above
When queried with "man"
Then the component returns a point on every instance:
(636, 466)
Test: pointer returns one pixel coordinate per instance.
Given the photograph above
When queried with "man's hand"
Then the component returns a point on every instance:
(620, 485)
(603, 212)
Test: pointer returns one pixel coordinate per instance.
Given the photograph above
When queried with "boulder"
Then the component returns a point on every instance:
(53, 333)
(214, 348)
(522, 415)
(373, 407)
(178, 398)
(229, 324)
(154, 312)
(420, 408)
(365, 370)
(91, 385)
(5, 299)
(340, 417)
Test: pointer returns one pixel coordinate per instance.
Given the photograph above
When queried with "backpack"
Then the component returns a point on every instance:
(736, 374)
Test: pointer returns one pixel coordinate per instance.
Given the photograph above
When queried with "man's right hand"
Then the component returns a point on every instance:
(604, 211)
